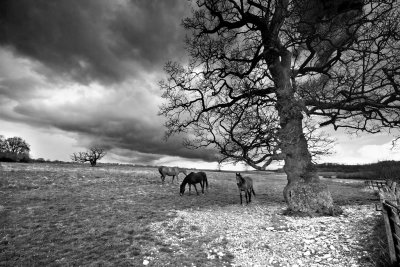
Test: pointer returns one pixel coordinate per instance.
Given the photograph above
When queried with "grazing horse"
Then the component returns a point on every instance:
(170, 171)
(245, 184)
(192, 179)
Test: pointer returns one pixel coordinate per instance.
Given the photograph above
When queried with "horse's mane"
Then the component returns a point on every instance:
(186, 179)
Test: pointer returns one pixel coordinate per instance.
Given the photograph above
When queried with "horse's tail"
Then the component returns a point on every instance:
(205, 179)
(160, 170)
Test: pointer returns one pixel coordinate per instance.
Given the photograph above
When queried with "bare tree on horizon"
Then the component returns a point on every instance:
(92, 155)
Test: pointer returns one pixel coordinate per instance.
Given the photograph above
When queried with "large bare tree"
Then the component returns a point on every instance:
(257, 68)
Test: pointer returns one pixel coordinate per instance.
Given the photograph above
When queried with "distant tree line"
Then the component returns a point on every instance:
(386, 170)
(42, 160)
(14, 149)
(336, 167)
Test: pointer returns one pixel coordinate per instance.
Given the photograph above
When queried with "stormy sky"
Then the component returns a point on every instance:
(79, 72)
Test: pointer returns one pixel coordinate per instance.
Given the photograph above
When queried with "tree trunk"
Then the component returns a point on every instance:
(303, 193)
(93, 162)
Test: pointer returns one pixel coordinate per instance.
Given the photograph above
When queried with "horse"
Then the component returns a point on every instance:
(170, 171)
(245, 184)
(192, 179)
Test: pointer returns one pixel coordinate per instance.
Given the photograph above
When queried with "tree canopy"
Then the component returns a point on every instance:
(14, 149)
(342, 59)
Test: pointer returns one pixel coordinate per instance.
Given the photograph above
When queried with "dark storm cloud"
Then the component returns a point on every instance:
(91, 67)
(150, 31)
(130, 156)
(94, 39)
(130, 134)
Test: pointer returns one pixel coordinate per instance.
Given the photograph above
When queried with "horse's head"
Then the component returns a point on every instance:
(183, 185)
(182, 190)
(239, 178)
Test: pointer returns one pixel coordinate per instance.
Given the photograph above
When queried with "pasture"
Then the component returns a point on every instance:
(67, 215)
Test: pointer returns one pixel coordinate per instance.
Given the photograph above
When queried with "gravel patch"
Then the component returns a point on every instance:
(259, 235)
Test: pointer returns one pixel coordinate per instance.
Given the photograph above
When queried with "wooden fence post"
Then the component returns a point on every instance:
(388, 227)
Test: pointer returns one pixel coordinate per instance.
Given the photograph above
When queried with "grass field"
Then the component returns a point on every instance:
(70, 215)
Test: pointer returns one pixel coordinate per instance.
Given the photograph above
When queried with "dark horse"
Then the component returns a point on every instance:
(170, 171)
(192, 179)
(245, 184)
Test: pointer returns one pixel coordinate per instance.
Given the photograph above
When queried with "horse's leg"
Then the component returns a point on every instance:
(245, 195)
(195, 188)
(190, 189)
(202, 187)
(240, 194)
(249, 193)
